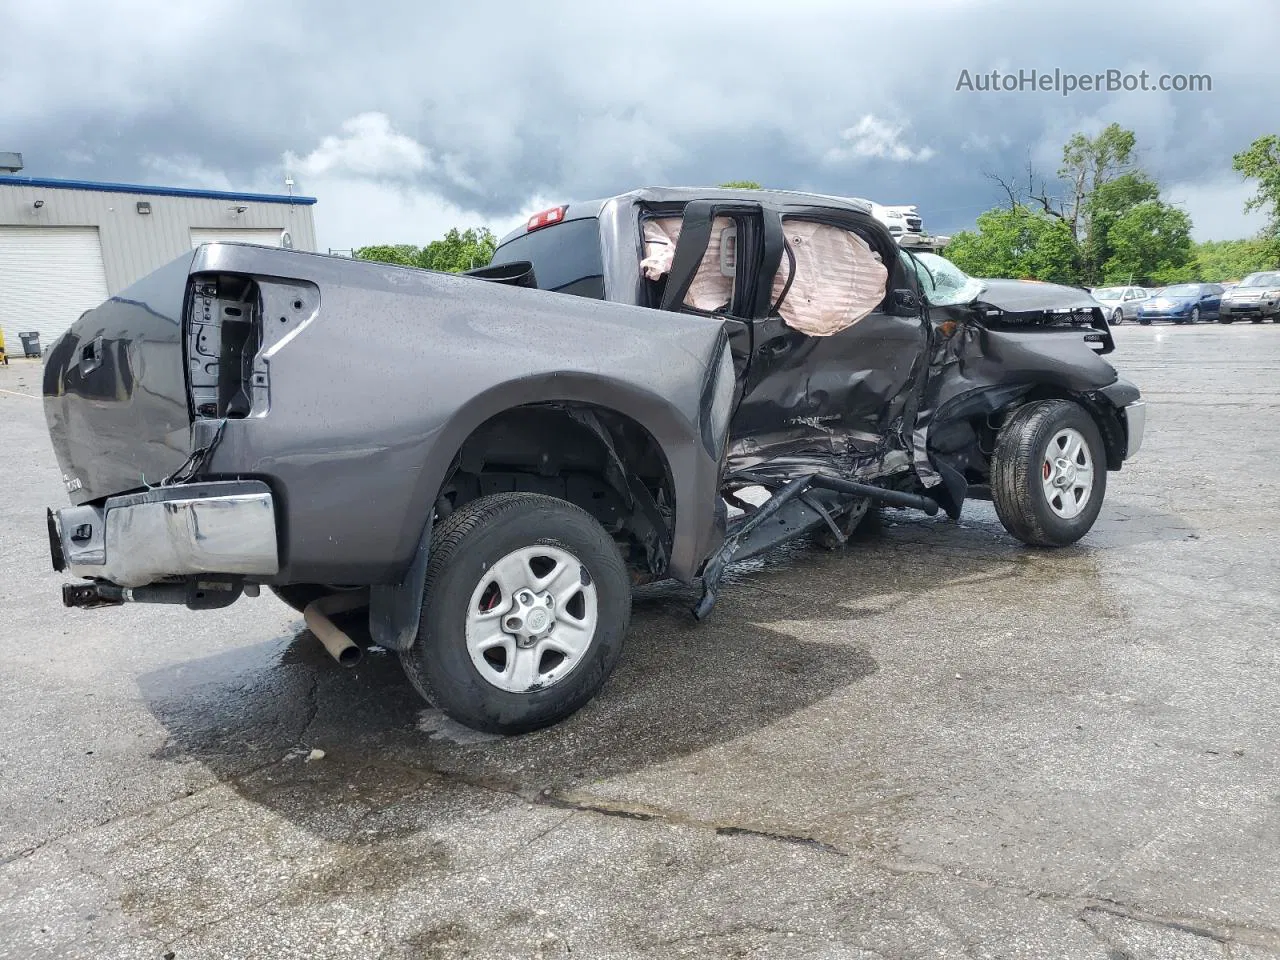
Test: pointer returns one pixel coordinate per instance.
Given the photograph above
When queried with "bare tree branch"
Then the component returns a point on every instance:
(1010, 189)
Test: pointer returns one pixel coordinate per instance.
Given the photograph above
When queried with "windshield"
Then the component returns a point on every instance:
(1181, 290)
(1108, 293)
(1261, 280)
(944, 284)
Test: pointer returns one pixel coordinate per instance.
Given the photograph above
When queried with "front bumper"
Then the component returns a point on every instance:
(1135, 424)
(1249, 308)
(204, 528)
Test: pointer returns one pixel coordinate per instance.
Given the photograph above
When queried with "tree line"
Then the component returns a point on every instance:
(1104, 221)
(457, 251)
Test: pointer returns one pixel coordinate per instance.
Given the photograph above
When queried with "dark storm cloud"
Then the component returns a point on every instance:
(510, 102)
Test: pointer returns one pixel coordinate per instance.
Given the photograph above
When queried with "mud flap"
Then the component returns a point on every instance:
(395, 609)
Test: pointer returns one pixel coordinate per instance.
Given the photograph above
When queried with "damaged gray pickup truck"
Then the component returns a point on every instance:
(489, 468)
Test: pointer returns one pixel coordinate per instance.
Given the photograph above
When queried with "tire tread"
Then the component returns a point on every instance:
(449, 537)
(1015, 465)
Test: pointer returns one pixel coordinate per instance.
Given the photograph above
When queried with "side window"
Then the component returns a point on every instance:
(566, 257)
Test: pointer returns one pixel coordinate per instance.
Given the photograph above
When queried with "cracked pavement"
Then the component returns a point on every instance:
(935, 744)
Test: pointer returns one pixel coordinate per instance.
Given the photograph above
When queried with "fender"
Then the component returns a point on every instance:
(694, 471)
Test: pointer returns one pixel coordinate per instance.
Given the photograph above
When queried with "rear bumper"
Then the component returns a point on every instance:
(1135, 425)
(137, 539)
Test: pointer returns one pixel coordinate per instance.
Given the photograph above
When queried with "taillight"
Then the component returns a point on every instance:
(545, 219)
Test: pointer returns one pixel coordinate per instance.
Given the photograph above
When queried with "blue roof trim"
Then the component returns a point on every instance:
(154, 191)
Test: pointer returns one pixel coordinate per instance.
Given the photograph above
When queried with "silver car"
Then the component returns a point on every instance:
(1120, 303)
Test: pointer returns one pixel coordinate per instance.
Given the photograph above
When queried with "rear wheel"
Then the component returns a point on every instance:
(1049, 473)
(1116, 317)
(525, 610)
(1195, 314)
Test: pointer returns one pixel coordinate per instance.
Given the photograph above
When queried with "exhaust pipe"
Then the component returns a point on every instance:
(317, 613)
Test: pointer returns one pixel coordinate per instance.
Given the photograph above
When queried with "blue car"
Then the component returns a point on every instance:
(1182, 303)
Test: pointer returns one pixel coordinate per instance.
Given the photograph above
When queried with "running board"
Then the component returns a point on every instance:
(796, 508)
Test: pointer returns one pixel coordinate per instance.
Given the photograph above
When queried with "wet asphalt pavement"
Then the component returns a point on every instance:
(936, 744)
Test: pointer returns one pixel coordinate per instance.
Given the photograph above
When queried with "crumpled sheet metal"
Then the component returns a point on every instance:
(839, 279)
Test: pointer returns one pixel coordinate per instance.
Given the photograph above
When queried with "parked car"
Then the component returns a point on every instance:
(1120, 303)
(1255, 298)
(1182, 303)
(491, 468)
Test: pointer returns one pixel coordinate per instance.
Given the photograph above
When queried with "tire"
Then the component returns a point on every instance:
(1195, 315)
(1222, 319)
(1018, 484)
(485, 558)
(1144, 321)
(1255, 319)
(1117, 317)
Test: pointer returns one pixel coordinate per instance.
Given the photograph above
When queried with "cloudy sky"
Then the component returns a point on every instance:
(406, 118)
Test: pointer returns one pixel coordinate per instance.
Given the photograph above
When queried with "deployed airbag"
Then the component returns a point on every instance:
(712, 286)
(838, 280)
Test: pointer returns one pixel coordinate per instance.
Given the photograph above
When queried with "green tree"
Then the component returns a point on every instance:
(1107, 205)
(1261, 162)
(1133, 235)
(1088, 164)
(1019, 243)
(1150, 243)
(402, 253)
(1216, 261)
(741, 185)
(458, 250)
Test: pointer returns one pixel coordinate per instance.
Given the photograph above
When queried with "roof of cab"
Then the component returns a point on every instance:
(780, 199)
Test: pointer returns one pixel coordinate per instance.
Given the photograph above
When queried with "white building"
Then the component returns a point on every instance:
(67, 245)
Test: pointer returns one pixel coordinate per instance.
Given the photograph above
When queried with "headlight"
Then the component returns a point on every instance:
(1271, 294)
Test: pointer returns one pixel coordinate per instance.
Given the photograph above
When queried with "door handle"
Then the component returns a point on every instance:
(91, 357)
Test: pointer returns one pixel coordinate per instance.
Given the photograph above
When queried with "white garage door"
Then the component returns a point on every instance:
(48, 277)
(267, 237)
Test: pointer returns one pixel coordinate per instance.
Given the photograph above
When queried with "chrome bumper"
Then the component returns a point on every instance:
(226, 527)
(1135, 423)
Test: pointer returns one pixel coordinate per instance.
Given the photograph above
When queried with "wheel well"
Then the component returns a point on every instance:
(962, 441)
(1103, 414)
(590, 455)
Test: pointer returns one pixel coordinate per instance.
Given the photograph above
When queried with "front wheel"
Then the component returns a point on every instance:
(525, 610)
(1144, 321)
(1222, 319)
(1049, 473)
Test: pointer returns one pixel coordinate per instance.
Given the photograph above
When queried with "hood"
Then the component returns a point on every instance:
(1026, 296)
